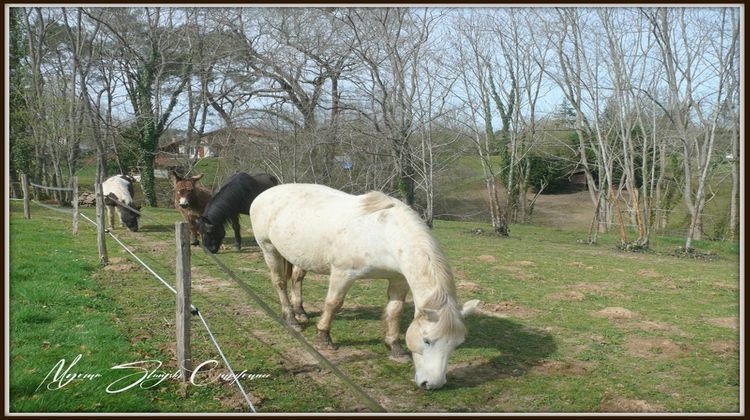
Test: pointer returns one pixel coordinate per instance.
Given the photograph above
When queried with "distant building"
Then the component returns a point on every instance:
(212, 144)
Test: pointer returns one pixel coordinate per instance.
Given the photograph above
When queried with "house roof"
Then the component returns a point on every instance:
(222, 133)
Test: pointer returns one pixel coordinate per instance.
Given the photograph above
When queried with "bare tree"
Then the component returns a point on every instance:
(471, 66)
(390, 42)
(686, 55)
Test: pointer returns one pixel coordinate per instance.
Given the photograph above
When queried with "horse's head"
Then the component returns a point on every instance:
(184, 189)
(432, 337)
(130, 218)
(212, 234)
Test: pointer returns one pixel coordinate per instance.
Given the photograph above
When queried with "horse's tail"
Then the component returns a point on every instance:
(376, 201)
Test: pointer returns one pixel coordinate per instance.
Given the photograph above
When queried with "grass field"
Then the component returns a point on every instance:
(563, 326)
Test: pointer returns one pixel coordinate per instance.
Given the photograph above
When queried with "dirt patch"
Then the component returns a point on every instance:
(600, 289)
(565, 368)
(653, 348)
(726, 286)
(346, 355)
(508, 309)
(579, 264)
(518, 272)
(209, 283)
(121, 268)
(729, 322)
(616, 313)
(468, 286)
(523, 263)
(652, 326)
(625, 405)
(571, 296)
(236, 402)
(648, 272)
(724, 348)
(487, 258)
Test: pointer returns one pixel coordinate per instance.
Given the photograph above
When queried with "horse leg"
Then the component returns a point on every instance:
(194, 230)
(111, 212)
(236, 228)
(279, 276)
(397, 290)
(339, 283)
(298, 275)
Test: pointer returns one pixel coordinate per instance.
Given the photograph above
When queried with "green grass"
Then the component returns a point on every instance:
(538, 345)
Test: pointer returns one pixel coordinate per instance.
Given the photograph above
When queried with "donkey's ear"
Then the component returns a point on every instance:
(430, 314)
(197, 177)
(174, 177)
(469, 307)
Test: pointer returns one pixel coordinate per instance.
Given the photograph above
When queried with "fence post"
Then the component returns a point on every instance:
(26, 197)
(100, 238)
(184, 362)
(75, 205)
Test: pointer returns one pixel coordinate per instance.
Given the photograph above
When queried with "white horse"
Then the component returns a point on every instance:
(316, 228)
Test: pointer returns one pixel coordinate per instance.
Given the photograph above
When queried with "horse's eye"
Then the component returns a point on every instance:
(427, 341)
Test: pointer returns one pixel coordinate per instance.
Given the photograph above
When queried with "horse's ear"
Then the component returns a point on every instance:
(469, 307)
(430, 314)
(204, 222)
(197, 177)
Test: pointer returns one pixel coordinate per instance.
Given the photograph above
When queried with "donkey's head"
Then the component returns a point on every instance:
(184, 189)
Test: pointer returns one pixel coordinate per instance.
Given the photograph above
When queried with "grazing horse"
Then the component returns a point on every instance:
(316, 228)
(190, 199)
(234, 197)
(118, 190)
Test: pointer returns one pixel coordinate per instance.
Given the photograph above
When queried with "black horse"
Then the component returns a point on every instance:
(234, 197)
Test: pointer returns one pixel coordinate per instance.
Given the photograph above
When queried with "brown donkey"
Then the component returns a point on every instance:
(190, 199)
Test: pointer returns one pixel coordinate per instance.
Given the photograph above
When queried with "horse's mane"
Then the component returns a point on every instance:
(443, 299)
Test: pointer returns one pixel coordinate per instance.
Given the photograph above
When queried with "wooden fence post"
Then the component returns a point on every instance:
(76, 213)
(26, 197)
(184, 362)
(100, 238)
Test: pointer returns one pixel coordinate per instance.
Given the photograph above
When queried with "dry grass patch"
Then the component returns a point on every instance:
(508, 309)
(564, 368)
(729, 322)
(616, 313)
(649, 273)
(487, 258)
(570, 295)
(724, 348)
(624, 405)
(653, 348)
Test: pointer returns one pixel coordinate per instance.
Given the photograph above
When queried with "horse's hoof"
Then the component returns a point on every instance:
(237, 247)
(323, 341)
(398, 354)
(301, 316)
